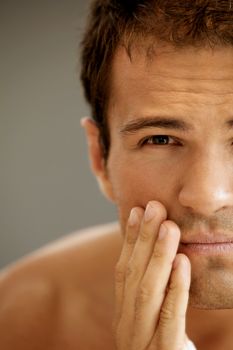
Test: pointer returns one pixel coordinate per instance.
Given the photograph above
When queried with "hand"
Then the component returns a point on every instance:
(151, 284)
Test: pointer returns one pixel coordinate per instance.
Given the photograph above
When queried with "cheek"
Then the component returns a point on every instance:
(137, 182)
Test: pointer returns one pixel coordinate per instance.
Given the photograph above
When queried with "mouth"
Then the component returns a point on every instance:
(207, 245)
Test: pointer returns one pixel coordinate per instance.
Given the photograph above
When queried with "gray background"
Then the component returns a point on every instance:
(46, 187)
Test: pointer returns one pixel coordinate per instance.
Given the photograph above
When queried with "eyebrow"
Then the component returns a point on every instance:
(155, 122)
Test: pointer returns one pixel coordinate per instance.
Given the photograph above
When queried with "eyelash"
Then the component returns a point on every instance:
(144, 141)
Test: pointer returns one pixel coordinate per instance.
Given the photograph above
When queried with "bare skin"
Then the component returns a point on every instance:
(59, 297)
(47, 304)
(152, 284)
(63, 298)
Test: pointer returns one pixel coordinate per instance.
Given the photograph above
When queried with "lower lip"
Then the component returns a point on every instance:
(206, 248)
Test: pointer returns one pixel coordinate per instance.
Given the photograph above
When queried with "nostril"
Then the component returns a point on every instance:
(205, 203)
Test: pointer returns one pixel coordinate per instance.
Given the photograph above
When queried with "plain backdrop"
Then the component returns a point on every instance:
(46, 186)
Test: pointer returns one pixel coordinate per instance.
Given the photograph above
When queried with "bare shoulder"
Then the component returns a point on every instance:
(67, 257)
(53, 297)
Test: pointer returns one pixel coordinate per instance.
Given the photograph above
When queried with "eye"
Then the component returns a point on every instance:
(160, 140)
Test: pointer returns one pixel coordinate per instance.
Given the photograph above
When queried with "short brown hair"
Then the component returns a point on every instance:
(112, 23)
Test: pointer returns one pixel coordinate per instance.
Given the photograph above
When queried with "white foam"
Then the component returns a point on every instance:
(190, 345)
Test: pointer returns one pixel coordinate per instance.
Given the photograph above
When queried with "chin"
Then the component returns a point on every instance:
(206, 304)
(212, 292)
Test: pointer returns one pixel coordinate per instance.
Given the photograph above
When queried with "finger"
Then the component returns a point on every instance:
(155, 213)
(152, 290)
(171, 329)
(131, 234)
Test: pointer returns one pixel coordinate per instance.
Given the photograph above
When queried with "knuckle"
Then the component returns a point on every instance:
(144, 294)
(131, 238)
(132, 271)
(145, 235)
(119, 274)
(143, 297)
(162, 256)
(178, 287)
(167, 314)
(174, 287)
(172, 312)
(157, 254)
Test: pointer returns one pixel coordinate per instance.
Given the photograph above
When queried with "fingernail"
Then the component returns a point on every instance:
(162, 232)
(133, 218)
(150, 212)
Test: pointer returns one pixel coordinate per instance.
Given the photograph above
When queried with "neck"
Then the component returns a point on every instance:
(210, 329)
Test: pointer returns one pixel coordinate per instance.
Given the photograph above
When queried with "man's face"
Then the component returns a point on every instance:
(185, 160)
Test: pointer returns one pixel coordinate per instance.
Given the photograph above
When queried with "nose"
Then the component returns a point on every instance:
(207, 185)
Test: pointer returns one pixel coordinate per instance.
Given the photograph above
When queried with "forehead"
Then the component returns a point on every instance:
(173, 78)
(174, 63)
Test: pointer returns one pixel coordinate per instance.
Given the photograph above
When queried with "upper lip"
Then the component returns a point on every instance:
(207, 238)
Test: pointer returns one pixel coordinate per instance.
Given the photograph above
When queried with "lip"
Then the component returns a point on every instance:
(206, 248)
(208, 244)
(207, 238)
